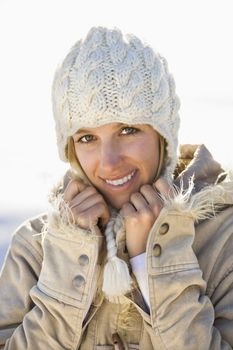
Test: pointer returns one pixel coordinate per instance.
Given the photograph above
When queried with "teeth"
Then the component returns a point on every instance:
(120, 181)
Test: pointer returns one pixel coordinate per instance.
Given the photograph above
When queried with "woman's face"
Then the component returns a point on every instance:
(118, 159)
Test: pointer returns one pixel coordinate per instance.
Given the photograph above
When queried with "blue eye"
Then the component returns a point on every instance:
(129, 130)
(86, 139)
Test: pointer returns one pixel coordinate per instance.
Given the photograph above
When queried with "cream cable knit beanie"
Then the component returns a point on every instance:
(109, 78)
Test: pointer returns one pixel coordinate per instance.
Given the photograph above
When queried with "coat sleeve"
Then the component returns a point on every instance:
(44, 299)
(182, 316)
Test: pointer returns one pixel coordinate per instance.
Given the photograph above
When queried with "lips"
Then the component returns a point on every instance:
(122, 180)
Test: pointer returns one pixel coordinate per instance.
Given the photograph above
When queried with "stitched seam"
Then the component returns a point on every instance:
(38, 257)
(58, 294)
(90, 238)
(179, 264)
(228, 272)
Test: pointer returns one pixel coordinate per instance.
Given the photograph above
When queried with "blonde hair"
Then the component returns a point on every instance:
(74, 163)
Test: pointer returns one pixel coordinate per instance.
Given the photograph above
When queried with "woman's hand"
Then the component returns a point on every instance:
(88, 206)
(140, 214)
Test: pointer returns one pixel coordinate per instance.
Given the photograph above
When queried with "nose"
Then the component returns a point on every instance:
(110, 156)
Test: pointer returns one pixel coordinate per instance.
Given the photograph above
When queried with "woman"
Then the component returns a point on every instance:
(136, 252)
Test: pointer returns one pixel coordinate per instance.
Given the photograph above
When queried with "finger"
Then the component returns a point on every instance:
(86, 203)
(138, 201)
(82, 196)
(153, 198)
(163, 187)
(150, 194)
(128, 210)
(73, 188)
(92, 215)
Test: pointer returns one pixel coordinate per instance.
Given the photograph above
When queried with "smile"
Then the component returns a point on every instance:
(121, 181)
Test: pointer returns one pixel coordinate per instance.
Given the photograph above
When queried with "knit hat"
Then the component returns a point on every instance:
(109, 78)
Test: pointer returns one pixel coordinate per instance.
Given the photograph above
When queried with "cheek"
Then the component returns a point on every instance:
(85, 159)
(147, 150)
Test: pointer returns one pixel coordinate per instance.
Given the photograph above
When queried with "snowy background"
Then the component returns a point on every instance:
(194, 36)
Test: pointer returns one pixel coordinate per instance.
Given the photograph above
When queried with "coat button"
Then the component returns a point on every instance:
(79, 281)
(157, 250)
(163, 229)
(83, 260)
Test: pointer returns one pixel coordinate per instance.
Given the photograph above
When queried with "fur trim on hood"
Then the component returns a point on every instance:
(200, 205)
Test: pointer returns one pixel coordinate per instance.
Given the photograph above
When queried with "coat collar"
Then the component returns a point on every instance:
(197, 162)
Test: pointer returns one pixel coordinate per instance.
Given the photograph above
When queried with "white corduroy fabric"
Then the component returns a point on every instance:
(108, 77)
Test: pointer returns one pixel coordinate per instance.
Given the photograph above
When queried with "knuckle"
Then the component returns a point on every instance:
(75, 211)
(145, 188)
(98, 197)
(92, 190)
(81, 219)
(162, 185)
(160, 181)
(134, 196)
(147, 213)
(73, 203)
(73, 184)
(157, 208)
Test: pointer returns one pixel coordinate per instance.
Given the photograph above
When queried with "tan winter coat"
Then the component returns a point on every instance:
(50, 286)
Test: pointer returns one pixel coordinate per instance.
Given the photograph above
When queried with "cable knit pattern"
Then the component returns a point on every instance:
(110, 78)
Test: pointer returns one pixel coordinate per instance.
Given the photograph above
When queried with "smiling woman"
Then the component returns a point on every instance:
(136, 251)
(118, 159)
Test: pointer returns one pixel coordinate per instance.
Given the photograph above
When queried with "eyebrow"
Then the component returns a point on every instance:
(80, 131)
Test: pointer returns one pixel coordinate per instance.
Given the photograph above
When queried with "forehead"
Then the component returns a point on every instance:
(110, 127)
